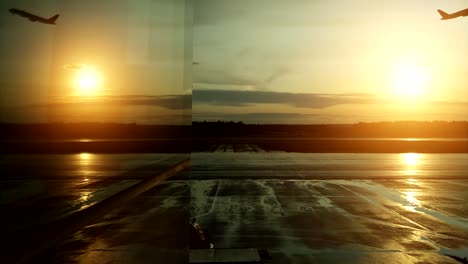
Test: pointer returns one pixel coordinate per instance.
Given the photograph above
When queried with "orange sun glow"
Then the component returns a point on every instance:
(411, 80)
(88, 81)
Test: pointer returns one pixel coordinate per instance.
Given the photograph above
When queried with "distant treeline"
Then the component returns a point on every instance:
(91, 130)
(399, 129)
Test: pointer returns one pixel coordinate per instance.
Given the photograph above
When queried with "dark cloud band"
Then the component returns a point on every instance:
(304, 100)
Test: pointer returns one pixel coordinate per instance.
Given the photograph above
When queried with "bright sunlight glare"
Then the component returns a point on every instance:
(411, 162)
(411, 159)
(410, 80)
(88, 81)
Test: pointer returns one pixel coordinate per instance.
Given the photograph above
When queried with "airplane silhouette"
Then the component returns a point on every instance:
(461, 260)
(446, 16)
(34, 18)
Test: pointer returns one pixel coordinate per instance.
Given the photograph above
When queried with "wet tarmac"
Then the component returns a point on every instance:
(335, 208)
(38, 191)
(302, 208)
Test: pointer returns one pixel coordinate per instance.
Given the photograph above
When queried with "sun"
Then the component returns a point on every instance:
(411, 80)
(87, 81)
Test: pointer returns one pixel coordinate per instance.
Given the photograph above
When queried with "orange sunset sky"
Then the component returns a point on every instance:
(174, 61)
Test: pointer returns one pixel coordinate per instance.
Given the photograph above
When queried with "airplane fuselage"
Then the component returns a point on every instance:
(460, 13)
(32, 17)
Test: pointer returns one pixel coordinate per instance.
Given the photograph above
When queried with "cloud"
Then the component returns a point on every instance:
(302, 100)
(237, 81)
(171, 102)
(277, 74)
(287, 118)
(169, 109)
(221, 77)
(167, 119)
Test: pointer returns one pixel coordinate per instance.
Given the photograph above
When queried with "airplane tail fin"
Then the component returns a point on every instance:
(443, 14)
(52, 19)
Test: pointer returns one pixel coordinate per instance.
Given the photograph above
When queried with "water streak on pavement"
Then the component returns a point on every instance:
(303, 208)
(328, 208)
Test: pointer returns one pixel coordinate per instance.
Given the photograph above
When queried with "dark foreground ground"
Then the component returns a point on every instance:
(188, 145)
(381, 137)
(302, 208)
(334, 145)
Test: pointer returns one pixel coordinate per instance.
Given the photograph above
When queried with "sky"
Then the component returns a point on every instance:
(104, 61)
(256, 61)
(329, 61)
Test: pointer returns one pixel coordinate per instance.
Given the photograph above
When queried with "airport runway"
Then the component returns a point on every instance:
(302, 208)
(235, 148)
(335, 208)
(404, 214)
(40, 191)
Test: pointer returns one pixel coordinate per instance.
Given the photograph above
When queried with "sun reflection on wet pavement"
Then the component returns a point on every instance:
(309, 208)
(367, 219)
(411, 161)
(84, 157)
(410, 196)
(40, 190)
(303, 208)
